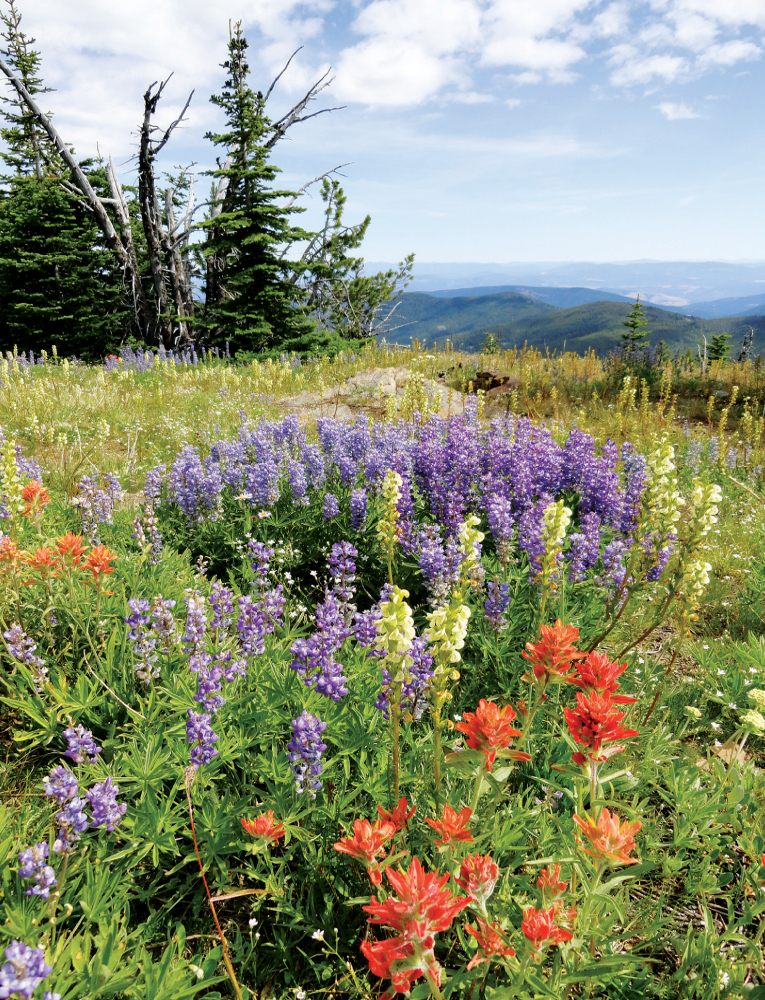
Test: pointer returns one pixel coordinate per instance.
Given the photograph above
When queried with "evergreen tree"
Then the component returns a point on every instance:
(251, 297)
(58, 283)
(719, 347)
(635, 324)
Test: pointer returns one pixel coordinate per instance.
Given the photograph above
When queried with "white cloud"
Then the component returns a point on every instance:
(675, 112)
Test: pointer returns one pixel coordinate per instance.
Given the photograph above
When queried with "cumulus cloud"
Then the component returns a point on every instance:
(674, 112)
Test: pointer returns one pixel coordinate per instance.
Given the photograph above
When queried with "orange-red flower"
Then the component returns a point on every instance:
(11, 555)
(97, 561)
(70, 549)
(43, 561)
(490, 728)
(418, 896)
(478, 877)
(264, 827)
(418, 909)
(402, 960)
(366, 843)
(398, 816)
(35, 498)
(452, 827)
(550, 885)
(540, 929)
(595, 722)
(554, 655)
(491, 943)
(598, 673)
(610, 840)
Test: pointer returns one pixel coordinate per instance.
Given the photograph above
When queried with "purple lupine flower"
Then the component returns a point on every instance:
(585, 547)
(530, 538)
(314, 658)
(80, 745)
(439, 562)
(61, 784)
(314, 465)
(331, 506)
(32, 858)
(358, 509)
(194, 638)
(104, 806)
(22, 648)
(231, 668)
(152, 488)
(342, 569)
(418, 677)
(661, 559)
(251, 626)
(201, 737)
(272, 603)
(209, 687)
(497, 602)
(163, 622)
(304, 752)
(33, 865)
(614, 570)
(636, 474)
(298, 482)
(263, 481)
(348, 467)
(222, 601)
(23, 970)
(261, 556)
(72, 822)
(45, 880)
(97, 505)
(195, 488)
(499, 513)
(143, 643)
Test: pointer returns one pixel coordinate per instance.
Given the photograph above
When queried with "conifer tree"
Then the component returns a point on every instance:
(58, 283)
(251, 298)
(635, 333)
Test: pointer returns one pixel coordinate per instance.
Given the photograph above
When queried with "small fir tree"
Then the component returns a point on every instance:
(635, 325)
(719, 347)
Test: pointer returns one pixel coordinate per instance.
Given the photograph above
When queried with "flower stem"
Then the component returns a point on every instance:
(660, 688)
(437, 748)
(395, 718)
(226, 956)
(476, 792)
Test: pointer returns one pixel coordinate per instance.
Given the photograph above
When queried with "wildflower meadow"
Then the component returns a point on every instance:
(462, 696)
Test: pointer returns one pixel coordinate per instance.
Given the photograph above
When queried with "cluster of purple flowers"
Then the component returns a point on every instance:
(22, 649)
(96, 504)
(497, 602)
(144, 361)
(414, 688)
(304, 752)
(314, 658)
(23, 971)
(72, 820)
(509, 472)
(34, 865)
(147, 532)
(143, 642)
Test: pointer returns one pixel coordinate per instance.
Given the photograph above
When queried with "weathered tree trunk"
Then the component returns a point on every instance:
(83, 187)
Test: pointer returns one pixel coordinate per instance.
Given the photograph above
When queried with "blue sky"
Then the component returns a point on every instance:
(478, 130)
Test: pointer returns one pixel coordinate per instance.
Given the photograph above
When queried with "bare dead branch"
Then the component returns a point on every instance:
(280, 75)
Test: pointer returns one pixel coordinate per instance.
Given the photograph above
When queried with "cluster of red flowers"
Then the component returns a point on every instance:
(490, 729)
(369, 839)
(35, 498)
(610, 840)
(553, 656)
(264, 828)
(67, 556)
(552, 922)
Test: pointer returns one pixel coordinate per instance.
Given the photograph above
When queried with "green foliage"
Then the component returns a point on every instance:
(251, 299)
(635, 325)
(57, 282)
(719, 347)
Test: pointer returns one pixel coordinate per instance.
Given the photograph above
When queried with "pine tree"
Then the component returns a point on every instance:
(635, 323)
(21, 134)
(251, 297)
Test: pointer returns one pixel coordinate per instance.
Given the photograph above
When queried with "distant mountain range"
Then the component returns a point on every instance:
(668, 284)
(557, 318)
